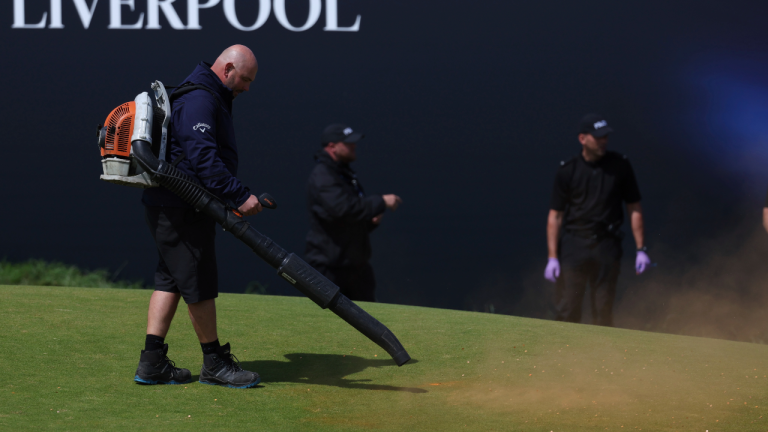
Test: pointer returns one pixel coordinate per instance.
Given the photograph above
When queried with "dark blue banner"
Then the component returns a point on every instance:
(468, 109)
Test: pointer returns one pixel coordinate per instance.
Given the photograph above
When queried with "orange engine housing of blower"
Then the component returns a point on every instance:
(119, 128)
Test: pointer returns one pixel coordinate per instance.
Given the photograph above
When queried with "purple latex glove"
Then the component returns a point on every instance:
(642, 262)
(553, 270)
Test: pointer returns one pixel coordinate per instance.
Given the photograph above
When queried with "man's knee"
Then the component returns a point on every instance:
(203, 309)
(569, 295)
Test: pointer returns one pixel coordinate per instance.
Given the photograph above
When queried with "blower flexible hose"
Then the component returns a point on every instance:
(292, 268)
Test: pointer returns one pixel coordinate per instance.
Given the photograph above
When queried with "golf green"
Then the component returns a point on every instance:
(69, 356)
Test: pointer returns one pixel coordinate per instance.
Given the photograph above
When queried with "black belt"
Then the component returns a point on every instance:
(596, 234)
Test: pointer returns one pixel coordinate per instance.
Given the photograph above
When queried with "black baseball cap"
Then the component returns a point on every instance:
(340, 133)
(595, 125)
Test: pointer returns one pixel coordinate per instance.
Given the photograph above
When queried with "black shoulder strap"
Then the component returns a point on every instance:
(178, 159)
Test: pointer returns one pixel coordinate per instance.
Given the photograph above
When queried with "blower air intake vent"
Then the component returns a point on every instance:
(119, 126)
(124, 134)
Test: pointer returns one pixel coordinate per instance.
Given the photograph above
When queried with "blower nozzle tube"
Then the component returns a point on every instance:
(306, 279)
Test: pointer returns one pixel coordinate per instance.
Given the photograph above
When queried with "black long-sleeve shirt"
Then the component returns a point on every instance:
(340, 215)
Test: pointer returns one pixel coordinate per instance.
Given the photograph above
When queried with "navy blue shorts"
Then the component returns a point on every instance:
(185, 241)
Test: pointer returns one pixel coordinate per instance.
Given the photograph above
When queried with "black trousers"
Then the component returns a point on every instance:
(186, 247)
(583, 262)
(357, 283)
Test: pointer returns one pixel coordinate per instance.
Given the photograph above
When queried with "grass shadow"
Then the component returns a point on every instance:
(324, 369)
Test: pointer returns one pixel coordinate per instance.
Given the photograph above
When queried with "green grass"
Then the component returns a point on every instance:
(69, 357)
(43, 273)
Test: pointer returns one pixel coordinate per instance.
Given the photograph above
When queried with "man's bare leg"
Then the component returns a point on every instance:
(154, 366)
(203, 316)
(162, 308)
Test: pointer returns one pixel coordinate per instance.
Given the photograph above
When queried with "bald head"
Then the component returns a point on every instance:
(236, 67)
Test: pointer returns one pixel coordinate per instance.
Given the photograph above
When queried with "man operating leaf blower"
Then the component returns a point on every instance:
(202, 145)
(186, 157)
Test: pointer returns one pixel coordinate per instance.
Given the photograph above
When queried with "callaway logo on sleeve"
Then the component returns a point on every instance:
(201, 127)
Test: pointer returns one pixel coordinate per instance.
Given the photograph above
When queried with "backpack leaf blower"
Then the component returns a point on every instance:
(133, 142)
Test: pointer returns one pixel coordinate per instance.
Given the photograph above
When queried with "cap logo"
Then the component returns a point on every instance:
(347, 131)
(600, 124)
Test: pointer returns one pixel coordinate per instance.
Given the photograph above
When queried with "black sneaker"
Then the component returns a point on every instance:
(222, 368)
(156, 368)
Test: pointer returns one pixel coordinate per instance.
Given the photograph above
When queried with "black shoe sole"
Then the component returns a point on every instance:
(153, 382)
(253, 384)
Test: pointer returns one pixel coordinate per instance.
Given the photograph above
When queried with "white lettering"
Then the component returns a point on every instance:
(601, 123)
(116, 18)
(56, 15)
(193, 12)
(86, 10)
(153, 14)
(288, 278)
(264, 9)
(19, 20)
(314, 14)
(86, 13)
(332, 18)
(201, 126)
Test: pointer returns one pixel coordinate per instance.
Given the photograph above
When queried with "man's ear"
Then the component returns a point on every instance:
(583, 138)
(228, 68)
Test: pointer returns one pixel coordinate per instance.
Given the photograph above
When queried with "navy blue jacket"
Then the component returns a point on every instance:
(340, 215)
(201, 126)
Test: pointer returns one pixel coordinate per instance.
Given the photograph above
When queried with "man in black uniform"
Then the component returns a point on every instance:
(341, 216)
(586, 205)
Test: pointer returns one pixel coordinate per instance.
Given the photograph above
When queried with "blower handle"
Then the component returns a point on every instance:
(265, 200)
